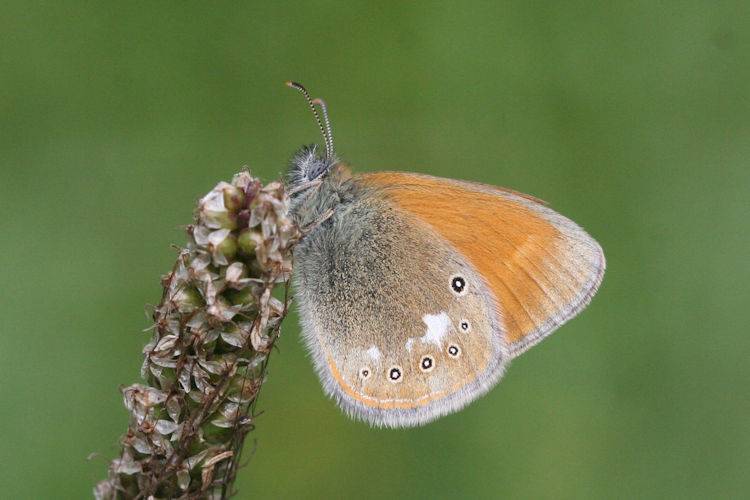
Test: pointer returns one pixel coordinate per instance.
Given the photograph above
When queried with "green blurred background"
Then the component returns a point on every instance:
(632, 118)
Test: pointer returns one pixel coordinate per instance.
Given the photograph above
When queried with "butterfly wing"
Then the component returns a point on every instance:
(541, 268)
(401, 328)
(418, 290)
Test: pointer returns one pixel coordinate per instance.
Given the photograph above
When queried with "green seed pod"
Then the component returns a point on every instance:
(234, 198)
(244, 297)
(228, 247)
(213, 434)
(248, 241)
(187, 300)
(219, 219)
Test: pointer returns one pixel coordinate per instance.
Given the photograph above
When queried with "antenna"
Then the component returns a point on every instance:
(322, 104)
(326, 132)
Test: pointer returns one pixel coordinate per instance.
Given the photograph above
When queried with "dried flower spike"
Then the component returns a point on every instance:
(212, 334)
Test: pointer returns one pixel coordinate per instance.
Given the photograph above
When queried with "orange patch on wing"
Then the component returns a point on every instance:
(512, 247)
(507, 191)
(379, 403)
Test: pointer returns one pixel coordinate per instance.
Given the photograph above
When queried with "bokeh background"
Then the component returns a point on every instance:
(631, 118)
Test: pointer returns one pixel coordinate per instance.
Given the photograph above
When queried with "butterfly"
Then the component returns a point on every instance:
(415, 292)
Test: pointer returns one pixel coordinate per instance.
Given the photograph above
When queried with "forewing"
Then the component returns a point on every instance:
(541, 267)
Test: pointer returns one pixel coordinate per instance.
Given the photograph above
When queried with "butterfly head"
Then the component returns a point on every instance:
(308, 165)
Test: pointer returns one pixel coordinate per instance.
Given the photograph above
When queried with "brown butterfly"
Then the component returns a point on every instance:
(415, 291)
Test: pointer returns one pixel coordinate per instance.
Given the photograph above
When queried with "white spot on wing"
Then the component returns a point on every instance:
(437, 327)
(409, 343)
(373, 352)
